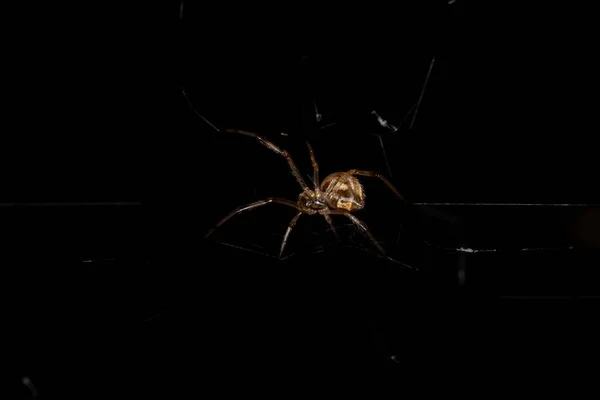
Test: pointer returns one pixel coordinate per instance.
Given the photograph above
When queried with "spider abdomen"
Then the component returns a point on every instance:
(343, 191)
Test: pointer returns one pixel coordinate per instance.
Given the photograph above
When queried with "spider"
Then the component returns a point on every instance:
(340, 193)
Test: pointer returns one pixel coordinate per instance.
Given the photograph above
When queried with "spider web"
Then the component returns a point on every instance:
(400, 117)
(411, 120)
(338, 131)
(302, 239)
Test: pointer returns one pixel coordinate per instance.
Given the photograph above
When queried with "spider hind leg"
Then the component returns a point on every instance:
(361, 225)
(378, 175)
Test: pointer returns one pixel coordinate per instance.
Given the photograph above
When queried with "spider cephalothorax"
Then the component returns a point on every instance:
(339, 194)
(312, 201)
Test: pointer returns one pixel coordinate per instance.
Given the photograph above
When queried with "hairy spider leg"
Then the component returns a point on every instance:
(315, 168)
(251, 206)
(287, 232)
(377, 175)
(318, 186)
(277, 150)
(325, 213)
(361, 225)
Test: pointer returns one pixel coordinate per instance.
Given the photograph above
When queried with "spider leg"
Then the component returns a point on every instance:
(277, 150)
(252, 206)
(361, 225)
(330, 222)
(377, 175)
(287, 232)
(315, 167)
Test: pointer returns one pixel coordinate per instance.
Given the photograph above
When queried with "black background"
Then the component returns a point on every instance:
(106, 299)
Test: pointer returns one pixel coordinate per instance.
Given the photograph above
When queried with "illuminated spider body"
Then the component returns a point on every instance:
(340, 194)
(343, 191)
(339, 190)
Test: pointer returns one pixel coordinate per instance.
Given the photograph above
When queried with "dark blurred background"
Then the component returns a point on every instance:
(112, 177)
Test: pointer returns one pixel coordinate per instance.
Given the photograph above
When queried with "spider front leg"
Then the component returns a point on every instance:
(277, 150)
(377, 175)
(315, 167)
(251, 206)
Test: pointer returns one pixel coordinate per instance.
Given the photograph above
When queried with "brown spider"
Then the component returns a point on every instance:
(339, 194)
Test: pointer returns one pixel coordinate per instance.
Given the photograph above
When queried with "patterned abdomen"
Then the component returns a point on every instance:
(343, 191)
